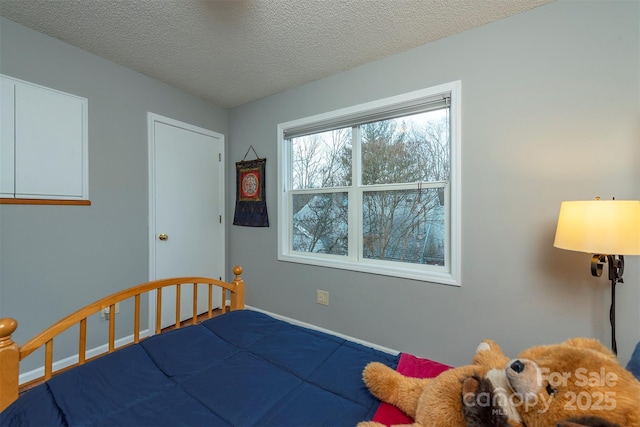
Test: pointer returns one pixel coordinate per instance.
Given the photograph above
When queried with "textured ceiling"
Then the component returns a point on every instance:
(235, 51)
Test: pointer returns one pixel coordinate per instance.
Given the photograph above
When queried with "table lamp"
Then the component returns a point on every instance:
(608, 229)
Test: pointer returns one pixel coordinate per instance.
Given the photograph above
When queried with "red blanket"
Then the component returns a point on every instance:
(410, 366)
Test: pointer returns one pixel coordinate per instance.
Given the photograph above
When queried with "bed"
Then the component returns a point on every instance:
(240, 368)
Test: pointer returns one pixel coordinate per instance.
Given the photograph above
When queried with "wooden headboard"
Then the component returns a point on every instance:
(11, 354)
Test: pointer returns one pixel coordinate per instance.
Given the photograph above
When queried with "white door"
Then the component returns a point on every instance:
(186, 186)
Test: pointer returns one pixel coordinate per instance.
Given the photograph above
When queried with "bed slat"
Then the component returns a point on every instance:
(136, 320)
(194, 316)
(178, 305)
(210, 303)
(48, 359)
(112, 327)
(82, 342)
(158, 310)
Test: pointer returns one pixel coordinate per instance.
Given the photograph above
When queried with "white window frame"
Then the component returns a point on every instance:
(447, 275)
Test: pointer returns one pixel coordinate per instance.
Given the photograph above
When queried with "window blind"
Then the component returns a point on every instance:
(386, 112)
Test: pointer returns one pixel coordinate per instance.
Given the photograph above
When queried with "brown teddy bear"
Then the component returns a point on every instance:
(438, 402)
(578, 379)
(576, 383)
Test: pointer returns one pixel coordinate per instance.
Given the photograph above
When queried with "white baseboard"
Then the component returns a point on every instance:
(71, 360)
(327, 331)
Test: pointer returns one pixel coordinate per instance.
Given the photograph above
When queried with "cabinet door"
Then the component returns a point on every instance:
(50, 144)
(7, 99)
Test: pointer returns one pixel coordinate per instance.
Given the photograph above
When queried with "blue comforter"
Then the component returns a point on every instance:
(240, 369)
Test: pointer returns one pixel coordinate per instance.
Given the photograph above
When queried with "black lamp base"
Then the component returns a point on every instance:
(616, 269)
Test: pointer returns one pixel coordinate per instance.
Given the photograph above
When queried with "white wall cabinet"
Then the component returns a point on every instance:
(43, 142)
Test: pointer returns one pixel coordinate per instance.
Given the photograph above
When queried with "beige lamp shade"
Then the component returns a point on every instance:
(603, 227)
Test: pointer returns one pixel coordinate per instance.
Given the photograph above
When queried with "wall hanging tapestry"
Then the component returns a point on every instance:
(251, 201)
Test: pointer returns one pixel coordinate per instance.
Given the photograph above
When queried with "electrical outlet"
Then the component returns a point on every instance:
(322, 297)
(104, 313)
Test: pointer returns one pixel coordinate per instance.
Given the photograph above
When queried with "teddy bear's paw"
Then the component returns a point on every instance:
(382, 381)
(372, 370)
(376, 373)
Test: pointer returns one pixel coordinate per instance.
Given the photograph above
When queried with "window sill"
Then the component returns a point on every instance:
(44, 202)
(419, 272)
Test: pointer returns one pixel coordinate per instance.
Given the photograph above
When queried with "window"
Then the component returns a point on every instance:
(375, 187)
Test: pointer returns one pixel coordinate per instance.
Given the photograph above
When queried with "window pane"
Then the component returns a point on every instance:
(404, 225)
(320, 223)
(322, 160)
(413, 148)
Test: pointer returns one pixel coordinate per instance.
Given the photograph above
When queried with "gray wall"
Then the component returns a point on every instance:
(55, 259)
(550, 112)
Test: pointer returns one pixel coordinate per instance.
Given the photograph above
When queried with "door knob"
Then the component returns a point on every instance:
(163, 236)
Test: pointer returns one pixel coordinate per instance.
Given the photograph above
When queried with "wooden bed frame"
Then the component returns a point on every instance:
(11, 354)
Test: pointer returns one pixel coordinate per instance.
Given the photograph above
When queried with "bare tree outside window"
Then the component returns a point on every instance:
(320, 220)
(321, 224)
(322, 160)
(398, 224)
(405, 225)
